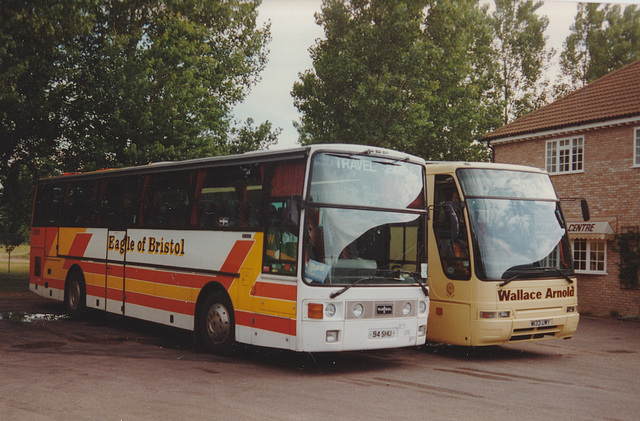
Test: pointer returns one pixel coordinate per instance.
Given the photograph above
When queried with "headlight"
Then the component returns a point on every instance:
(330, 310)
(357, 310)
(406, 308)
(332, 336)
(422, 307)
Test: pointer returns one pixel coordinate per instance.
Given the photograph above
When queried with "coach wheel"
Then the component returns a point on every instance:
(75, 297)
(216, 326)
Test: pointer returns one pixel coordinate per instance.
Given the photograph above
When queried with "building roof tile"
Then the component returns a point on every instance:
(611, 97)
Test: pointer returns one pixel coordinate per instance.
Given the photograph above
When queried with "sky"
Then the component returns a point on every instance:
(294, 31)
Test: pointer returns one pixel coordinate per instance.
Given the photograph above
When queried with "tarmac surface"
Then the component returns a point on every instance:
(106, 367)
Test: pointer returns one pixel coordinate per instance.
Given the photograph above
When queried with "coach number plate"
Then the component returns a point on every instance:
(540, 323)
(382, 333)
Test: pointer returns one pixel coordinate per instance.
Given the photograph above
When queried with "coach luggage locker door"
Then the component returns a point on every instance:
(245, 304)
(116, 252)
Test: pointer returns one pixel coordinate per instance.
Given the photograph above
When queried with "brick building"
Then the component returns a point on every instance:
(589, 142)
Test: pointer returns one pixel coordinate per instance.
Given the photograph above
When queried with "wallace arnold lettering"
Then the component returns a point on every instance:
(521, 295)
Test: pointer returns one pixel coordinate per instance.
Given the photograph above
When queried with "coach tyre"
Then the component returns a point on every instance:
(75, 296)
(216, 326)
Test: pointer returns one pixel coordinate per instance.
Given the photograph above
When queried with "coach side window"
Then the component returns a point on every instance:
(80, 208)
(48, 204)
(119, 200)
(46, 208)
(42, 205)
(229, 198)
(38, 216)
(166, 200)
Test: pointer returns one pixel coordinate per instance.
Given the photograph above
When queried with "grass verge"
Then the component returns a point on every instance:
(16, 282)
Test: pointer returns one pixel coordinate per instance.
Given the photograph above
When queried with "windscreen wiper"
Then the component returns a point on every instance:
(516, 276)
(393, 164)
(344, 155)
(537, 269)
(414, 275)
(564, 275)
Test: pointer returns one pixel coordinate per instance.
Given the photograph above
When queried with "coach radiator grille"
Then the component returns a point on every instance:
(535, 333)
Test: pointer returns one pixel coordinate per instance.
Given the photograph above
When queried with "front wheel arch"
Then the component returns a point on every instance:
(215, 321)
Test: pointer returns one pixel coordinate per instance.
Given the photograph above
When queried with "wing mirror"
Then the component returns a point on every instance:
(584, 205)
(585, 209)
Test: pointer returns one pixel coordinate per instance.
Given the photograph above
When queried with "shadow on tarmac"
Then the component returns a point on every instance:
(78, 336)
(484, 353)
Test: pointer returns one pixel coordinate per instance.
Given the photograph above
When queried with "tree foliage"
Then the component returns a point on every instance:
(520, 45)
(88, 84)
(364, 74)
(463, 68)
(627, 244)
(403, 74)
(249, 138)
(602, 38)
(157, 80)
(101, 83)
(14, 212)
(36, 39)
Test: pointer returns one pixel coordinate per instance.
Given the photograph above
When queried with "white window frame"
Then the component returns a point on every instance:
(565, 156)
(636, 147)
(592, 250)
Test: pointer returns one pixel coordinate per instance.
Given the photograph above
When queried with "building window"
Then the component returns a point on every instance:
(636, 149)
(565, 155)
(590, 256)
(551, 261)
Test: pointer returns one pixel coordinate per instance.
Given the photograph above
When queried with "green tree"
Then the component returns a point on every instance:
(87, 84)
(36, 40)
(14, 212)
(157, 80)
(247, 138)
(521, 56)
(36, 37)
(603, 38)
(402, 74)
(463, 68)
